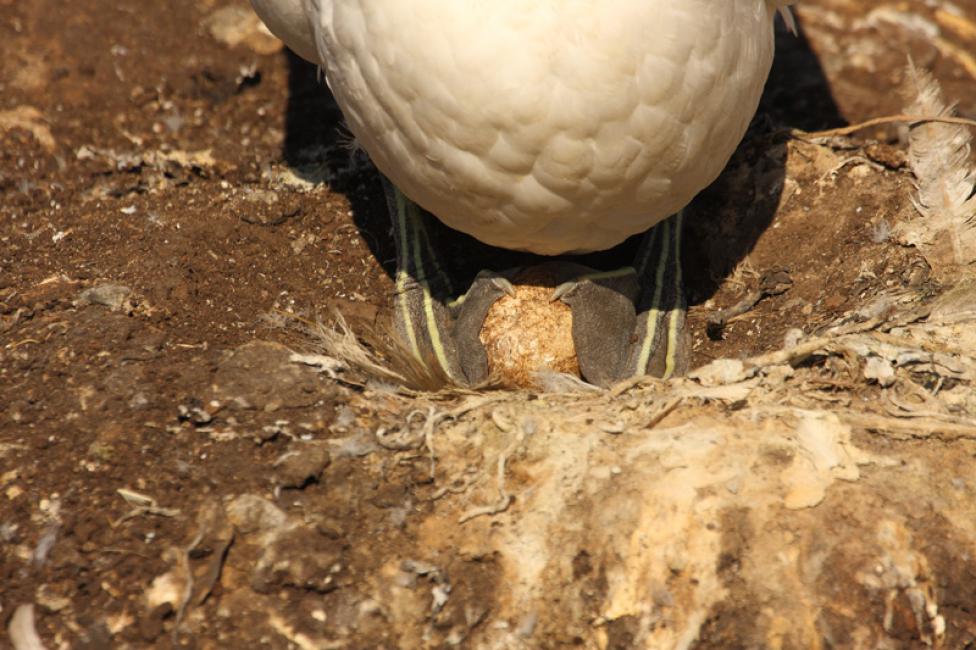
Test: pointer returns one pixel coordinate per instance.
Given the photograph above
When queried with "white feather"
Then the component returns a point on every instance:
(939, 156)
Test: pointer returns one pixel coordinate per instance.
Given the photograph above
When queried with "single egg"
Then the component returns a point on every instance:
(529, 332)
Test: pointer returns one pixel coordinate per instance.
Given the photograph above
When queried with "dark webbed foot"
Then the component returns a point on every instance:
(471, 311)
(603, 321)
(624, 323)
(630, 322)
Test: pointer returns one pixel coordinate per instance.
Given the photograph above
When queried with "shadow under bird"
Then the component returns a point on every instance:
(549, 126)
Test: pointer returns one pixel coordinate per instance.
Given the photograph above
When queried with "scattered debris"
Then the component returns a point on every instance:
(250, 513)
(199, 161)
(143, 505)
(382, 360)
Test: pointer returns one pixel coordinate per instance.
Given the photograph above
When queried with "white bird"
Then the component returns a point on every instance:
(550, 126)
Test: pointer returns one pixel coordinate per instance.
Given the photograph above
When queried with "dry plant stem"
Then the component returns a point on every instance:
(860, 160)
(399, 442)
(432, 420)
(144, 505)
(214, 570)
(914, 428)
(451, 489)
(504, 499)
(904, 411)
(721, 318)
(897, 428)
(879, 121)
(663, 412)
(406, 440)
(626, 385)
(902, 341)
(806, 349)
(137, 512)
(188, 590)
(792, 356)
(770, 286)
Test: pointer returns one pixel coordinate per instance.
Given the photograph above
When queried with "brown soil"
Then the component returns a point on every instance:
(166, 198)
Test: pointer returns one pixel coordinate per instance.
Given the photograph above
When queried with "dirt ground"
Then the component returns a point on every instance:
(177, 199)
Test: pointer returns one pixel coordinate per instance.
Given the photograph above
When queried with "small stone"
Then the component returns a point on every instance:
(101, 451)
(733, 485)
(887, 155)
(302, 242)
(880, 370)
(271, 431)
(194, 414)
(834, 301)
(250, 513)
(151, 625)
(330, 527)
(792, 337)
(721, 372)
(302, 467)
(113, 296)
(47, 598)
(676, 561)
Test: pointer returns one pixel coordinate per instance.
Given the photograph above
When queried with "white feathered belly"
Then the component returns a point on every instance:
(547, 125)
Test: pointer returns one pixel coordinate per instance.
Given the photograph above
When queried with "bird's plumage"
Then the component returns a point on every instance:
(544, 125)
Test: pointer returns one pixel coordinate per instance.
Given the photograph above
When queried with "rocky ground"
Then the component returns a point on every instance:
(190, 457)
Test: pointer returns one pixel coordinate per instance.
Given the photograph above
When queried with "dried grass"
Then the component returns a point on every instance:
(379, 356)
